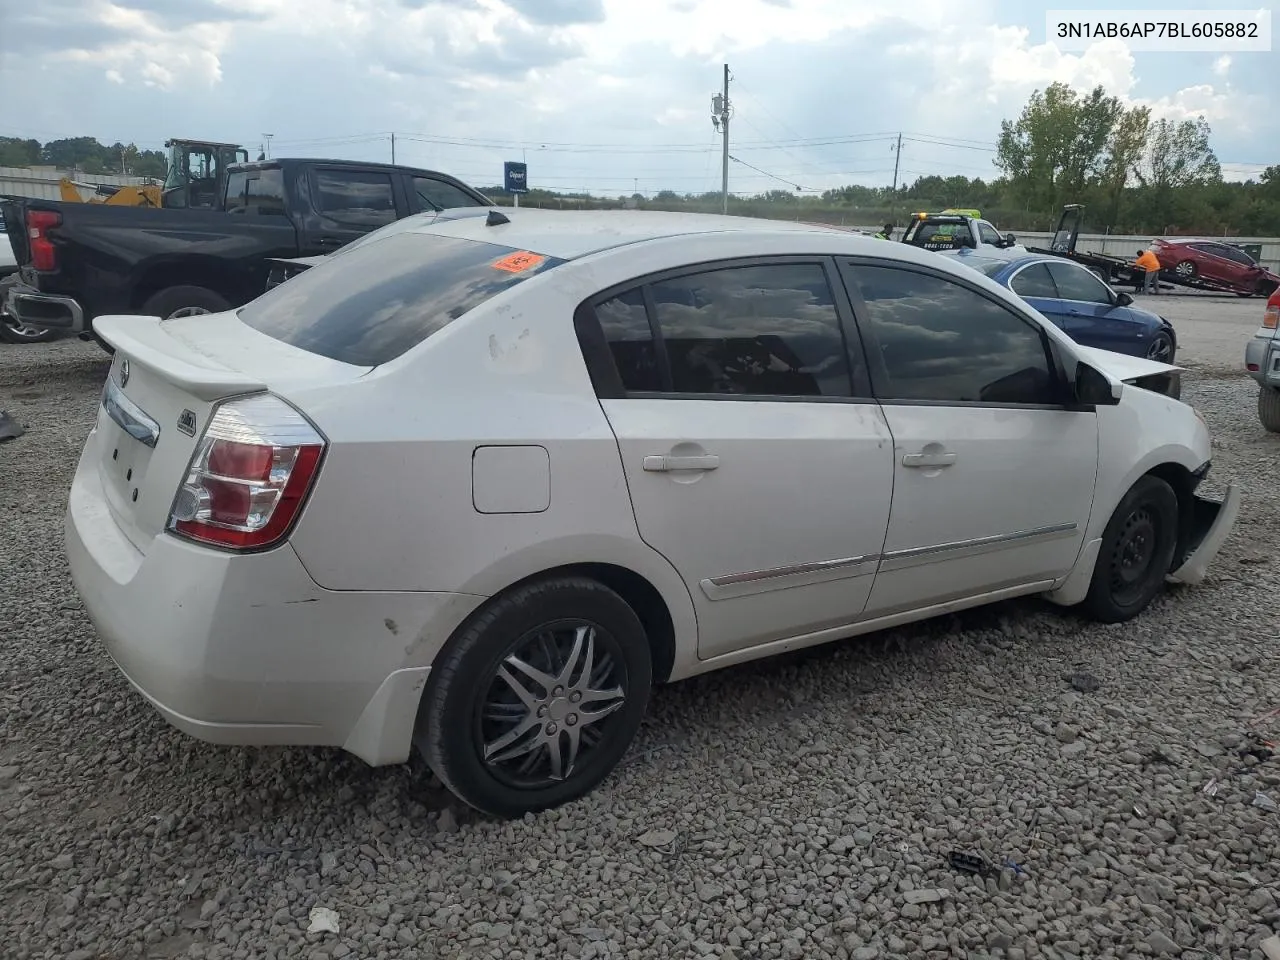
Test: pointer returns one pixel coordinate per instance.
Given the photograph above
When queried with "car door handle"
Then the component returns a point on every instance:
(928, 459)
(328, 242)
(667, 464)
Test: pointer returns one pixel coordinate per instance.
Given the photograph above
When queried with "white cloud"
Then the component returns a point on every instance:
(631, 80)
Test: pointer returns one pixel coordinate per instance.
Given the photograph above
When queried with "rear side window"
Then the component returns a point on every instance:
(356, 197)
(759, 330)
(438, 195)
(256, 191)
(1035, 281)
(378, 300)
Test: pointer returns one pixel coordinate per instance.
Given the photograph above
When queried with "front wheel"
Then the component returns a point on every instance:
(1269, 408)
(1136, 554)
(1160, 349)
(1186, 270)
(536, 700)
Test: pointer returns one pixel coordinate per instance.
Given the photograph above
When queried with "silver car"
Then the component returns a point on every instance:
(1262, 362)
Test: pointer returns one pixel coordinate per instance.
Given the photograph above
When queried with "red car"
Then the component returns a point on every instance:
(1215, 264)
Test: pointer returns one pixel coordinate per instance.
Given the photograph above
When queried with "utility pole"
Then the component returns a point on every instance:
(393, 148)
(893, 193)
(720, 120)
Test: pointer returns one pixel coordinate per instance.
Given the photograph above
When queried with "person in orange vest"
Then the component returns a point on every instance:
(1149, 263)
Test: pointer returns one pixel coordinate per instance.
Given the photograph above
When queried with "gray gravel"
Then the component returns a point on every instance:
(797, 808)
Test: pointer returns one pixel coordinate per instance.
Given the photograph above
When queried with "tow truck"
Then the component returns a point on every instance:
(961, 233)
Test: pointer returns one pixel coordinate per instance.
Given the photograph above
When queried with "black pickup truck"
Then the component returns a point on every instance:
(77, 261)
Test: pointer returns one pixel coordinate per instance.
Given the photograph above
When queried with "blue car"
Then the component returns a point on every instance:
(1085, 308)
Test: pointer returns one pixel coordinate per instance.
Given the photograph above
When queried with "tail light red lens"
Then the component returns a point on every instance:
(249, 476)
(44, 255)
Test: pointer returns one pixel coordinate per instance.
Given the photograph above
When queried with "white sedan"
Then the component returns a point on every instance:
(476, 485)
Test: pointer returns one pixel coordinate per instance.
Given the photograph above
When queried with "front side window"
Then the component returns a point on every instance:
(940, 341)
(374, 302)
(762, 330)
(356, 197)
(989, 234)
(1077, 283)
(1034, 281)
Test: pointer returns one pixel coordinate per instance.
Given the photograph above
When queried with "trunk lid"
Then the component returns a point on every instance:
(165, 379)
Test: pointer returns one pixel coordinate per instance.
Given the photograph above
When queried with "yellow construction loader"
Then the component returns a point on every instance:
(196, 169)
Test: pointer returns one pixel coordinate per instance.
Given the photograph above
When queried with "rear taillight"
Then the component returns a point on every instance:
(44, 255)
(249, 475)
(1271, 318)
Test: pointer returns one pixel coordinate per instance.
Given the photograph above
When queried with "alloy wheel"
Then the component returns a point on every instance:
(549, 703)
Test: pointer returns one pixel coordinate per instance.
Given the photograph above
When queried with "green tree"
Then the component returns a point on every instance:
(1125, 150)
(1055, 148)
(1179, 159)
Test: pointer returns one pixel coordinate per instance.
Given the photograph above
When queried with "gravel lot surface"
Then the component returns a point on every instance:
(797, 808)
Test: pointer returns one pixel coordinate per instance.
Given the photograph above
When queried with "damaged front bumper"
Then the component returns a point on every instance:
(1211, 522)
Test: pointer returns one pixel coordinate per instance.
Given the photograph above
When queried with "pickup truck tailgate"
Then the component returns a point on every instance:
(165, 380)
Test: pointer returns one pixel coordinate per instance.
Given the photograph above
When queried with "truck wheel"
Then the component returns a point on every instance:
(11, 331)
(1269, 408)
(184, 301)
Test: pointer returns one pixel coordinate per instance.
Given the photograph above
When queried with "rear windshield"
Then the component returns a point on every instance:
(378, 300)
(989, 267)
(938, 236)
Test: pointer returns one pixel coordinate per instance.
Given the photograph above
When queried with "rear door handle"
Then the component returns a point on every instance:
(928, 459)
(667, 464)
(328, 242)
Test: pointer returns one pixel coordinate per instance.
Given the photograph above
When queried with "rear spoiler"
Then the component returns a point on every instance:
(144, 341)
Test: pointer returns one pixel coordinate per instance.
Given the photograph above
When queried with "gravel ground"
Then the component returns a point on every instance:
(802, 807)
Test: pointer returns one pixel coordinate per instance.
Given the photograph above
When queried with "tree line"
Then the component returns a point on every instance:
(83, 154)
(1133, 173)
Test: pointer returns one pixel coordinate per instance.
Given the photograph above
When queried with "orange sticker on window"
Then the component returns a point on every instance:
(519, 262)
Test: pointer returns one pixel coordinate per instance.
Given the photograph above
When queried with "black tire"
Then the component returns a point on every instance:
(11, 332)
(453, 725)
(1137, 551)
(183, 301)
(1185, 270)
(1269, 408)
(1161, 348)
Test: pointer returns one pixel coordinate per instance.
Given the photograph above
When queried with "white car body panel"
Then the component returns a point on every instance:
(412, 525)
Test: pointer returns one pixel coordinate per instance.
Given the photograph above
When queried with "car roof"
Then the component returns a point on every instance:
(569, 234)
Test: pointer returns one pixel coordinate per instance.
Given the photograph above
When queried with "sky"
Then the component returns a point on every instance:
(608, 96)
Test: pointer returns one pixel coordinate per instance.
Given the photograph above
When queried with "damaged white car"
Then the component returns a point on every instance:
(476, 485)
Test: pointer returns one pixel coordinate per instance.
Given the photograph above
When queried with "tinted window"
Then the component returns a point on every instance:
(626, 328)
(1238, 255)
(256, 191)
(1077, 283)
(1034, 281)
(376, 301)
(941, 341)
(940, 236)
(356, 197)
(766, 330)
(438, 195)
(989, 234)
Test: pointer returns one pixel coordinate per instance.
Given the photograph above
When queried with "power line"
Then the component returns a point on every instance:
(766, 173)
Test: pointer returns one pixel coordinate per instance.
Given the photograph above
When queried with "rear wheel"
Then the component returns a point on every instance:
(11, 331)
(1269, 408)
(1136, 553)
(184, 301)
(537, 699)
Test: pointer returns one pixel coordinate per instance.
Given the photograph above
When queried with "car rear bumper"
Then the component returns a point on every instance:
(248, 649)
(1262, 360)
(32, 308)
